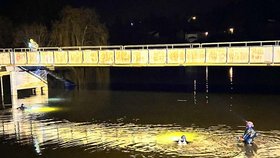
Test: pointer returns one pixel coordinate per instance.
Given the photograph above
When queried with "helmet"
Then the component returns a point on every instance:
(249, 124)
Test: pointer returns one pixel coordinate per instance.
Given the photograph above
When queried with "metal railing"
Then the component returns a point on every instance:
(149, 46)
(164, 51)
(40, 74)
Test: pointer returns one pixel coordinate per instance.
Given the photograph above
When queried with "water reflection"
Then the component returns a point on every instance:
(206, 85)
(25, 127)
(146, 124)
(37, 99)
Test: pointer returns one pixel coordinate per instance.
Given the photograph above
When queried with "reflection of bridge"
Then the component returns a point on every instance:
(254, 53)
(157, 139)
(23, 127)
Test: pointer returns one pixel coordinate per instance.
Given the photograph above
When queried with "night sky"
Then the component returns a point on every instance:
(252, 19)
(110, 8)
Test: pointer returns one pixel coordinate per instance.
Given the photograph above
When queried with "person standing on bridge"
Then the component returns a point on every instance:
(33, 45)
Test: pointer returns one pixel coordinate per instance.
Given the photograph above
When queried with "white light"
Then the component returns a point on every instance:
(231, 73)
(33, 45)
(231, 30)
(192, 18)
(206, 33)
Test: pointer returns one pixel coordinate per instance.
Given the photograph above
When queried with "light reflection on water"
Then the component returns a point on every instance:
(146, 124)
(148, 139)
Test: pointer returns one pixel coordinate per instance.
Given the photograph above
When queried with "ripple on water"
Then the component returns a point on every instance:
(159, 140)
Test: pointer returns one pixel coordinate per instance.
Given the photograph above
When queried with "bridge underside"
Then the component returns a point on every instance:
(21, 80)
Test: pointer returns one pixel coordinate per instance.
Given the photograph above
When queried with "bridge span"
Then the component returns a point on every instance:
(14, 61)
(250, 53)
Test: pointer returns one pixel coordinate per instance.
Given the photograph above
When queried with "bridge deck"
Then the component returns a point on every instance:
(254, 53)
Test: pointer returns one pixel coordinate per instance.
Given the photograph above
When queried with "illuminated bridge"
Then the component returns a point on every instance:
(14, 62)
(251, 53)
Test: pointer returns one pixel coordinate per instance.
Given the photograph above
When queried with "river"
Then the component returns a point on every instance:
(137, 118)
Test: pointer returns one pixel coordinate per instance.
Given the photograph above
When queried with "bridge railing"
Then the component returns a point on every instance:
(220, 53)
(244, 43)
(180, 45)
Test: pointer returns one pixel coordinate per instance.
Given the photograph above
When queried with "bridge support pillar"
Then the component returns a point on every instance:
(14, 94)
(2, 92)
(13, 83)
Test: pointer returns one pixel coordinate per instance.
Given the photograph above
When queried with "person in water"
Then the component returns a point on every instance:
(249, 133)
(22, 107)
(183, 140)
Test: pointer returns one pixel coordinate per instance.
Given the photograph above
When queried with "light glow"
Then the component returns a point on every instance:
(171, 137)
(231, 30)
(41, 109)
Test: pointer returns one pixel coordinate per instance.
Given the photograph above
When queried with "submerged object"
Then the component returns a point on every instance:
(183, 140)
(21, 107)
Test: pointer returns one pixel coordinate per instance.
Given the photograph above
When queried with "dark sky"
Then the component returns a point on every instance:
(133, 8)
(162, 7)
(253, 19)
(109, 8)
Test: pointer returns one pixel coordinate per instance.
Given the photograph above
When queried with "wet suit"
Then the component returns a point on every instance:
(22, 107)
(249, 135)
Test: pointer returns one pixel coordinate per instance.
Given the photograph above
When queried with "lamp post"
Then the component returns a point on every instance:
(231, 30)
(192, 18)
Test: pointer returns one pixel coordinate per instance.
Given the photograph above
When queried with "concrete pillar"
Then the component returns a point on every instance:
(15, 103)
(13, 87)
(2, 92)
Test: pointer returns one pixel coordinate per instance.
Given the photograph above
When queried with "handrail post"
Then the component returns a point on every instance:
(249, 55)
(13, 58)
(227, 55)
(114, 62)
(148, 56)
(130, 51)
(205, 56)
(273, 49)
(166, 55)
(26, 58)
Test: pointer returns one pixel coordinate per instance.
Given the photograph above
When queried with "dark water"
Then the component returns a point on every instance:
(143, 118)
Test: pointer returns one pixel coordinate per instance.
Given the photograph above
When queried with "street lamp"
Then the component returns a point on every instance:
(231, 30)
(192, 18)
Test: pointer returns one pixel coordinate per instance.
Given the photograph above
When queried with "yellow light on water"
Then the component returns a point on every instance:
(42, 109)
(171, 137)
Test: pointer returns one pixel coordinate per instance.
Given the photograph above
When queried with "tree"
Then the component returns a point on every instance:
(38, 32)
(79, 27)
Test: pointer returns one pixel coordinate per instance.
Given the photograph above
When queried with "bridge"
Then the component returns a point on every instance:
(13, 61)
(250, 53)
